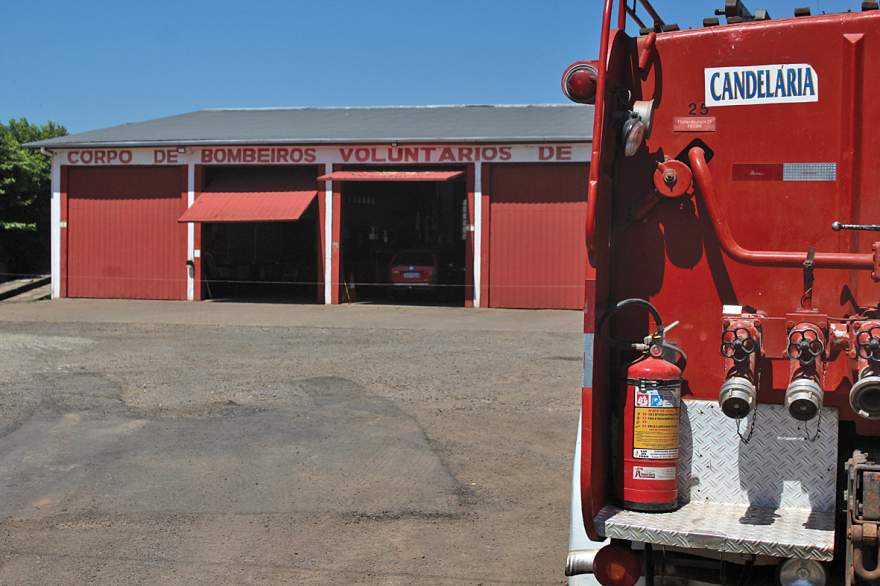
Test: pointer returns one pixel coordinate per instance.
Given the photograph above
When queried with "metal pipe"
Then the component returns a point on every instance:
(580, 562)
(598, 126)
(654, 14)
(625, 9)
(635, 17)
(772, 258)
(837, 227)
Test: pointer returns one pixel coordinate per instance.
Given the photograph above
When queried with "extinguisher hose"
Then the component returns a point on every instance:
(627, 302)
(682, 357)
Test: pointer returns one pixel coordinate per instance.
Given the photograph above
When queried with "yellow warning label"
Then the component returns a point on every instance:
(656, 428)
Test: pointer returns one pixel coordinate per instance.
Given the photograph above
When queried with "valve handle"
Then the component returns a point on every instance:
(805, 345)
(738, 344)
(868, 344)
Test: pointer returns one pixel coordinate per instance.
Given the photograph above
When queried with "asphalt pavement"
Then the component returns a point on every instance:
(232, 443)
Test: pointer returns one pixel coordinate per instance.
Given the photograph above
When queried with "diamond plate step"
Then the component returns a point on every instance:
(784, 464)
(796, 533)
(773, 495)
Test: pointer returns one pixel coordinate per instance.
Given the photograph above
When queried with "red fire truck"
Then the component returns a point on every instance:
(730, 420)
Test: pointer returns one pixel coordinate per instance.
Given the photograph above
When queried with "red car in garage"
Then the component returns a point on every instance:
(414, 268)
(423, 270)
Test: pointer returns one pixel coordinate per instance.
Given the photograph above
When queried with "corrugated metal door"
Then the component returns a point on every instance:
(123, 238)
(537, 257)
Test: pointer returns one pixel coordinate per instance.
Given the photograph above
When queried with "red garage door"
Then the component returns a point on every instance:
(537, 257)
(123, 238)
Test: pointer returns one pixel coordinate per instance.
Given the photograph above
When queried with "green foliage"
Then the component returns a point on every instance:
(24, 173)
(25, 192)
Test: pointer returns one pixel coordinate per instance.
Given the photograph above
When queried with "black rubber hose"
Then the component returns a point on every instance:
(682, 357)
(633, 301)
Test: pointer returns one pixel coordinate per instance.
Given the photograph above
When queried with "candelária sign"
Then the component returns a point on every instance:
(761, 84)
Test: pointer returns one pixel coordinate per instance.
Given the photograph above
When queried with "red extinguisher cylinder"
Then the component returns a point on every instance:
(650, 436)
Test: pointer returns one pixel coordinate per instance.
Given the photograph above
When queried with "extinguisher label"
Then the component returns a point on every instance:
(656, 398)
(652, 473)
(670, 454)
(655, 429)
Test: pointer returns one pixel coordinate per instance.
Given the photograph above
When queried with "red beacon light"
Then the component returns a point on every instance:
(579, 82)
(617, 565)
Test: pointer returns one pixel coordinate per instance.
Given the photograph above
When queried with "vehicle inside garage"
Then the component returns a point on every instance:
(403, 240)
(259, 233)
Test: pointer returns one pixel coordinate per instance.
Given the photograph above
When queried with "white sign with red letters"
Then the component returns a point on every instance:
(354, 154)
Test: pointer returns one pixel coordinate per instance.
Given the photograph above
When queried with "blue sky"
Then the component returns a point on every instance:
(92, 64)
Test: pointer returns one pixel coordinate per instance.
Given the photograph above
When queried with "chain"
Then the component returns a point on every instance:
(748, 437)
(818, 428)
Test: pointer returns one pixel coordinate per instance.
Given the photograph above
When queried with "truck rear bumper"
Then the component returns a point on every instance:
(784, 533)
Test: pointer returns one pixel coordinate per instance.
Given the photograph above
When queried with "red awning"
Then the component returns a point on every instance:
(261, 196)
(391, 176)
(249, 207)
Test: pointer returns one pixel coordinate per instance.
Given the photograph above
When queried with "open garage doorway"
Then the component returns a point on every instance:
(259, 237)
(403, 237)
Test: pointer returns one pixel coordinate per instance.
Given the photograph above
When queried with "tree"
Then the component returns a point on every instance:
(25, 193)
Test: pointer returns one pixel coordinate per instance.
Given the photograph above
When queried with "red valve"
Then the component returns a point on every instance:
(672, 178)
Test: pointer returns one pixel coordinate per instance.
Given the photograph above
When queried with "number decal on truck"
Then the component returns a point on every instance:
(702, 110)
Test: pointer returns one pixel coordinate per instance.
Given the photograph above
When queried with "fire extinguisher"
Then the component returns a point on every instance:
(647, 474)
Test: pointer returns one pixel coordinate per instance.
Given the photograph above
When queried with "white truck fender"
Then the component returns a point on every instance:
(581, 548)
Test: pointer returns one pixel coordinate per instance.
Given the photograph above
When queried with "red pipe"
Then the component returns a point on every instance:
(598, 125)
(647, 50)
(770, 258)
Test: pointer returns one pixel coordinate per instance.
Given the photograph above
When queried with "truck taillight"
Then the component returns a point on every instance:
(617, 565)
(579, 82)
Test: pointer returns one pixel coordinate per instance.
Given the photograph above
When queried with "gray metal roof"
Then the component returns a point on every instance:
(542, 123)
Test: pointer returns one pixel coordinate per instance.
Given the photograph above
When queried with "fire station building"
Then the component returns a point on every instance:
(480, 206)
